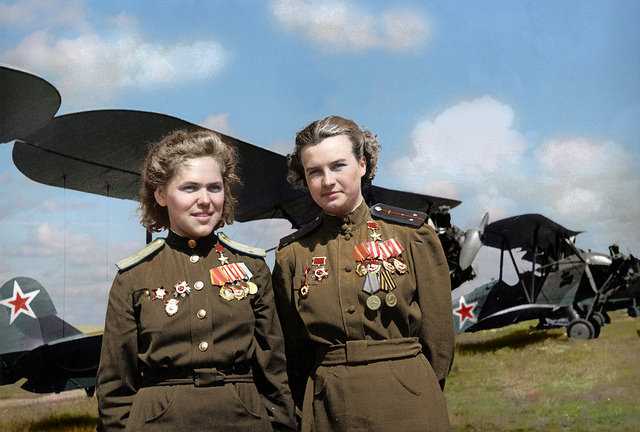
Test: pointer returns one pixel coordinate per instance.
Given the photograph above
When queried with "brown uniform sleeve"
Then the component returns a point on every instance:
(297, 345)
(271, 373)
(117, 380)
(434, 297)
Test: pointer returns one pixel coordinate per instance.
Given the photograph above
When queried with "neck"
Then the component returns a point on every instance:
(358, 202)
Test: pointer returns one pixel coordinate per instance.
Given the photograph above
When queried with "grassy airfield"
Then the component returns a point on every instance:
(509, 379)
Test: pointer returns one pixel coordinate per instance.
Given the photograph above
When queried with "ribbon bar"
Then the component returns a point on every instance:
(377, 250)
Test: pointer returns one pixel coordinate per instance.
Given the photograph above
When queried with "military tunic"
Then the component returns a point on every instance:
(205, 362)
(358, 368)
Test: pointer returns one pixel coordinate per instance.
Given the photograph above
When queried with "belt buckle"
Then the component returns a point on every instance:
(207, 377)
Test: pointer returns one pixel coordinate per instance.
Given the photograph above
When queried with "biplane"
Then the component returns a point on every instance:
(100, 152)
(564, 285)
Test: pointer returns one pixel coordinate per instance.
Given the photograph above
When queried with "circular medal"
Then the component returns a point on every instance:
(389, 266)
(171, 307)
(374, 302)
(361, 270)
(373, 267)
(253, 288)
(226, 293)
(320, 273)
(391, 300)
(238, 292)
(400, 266)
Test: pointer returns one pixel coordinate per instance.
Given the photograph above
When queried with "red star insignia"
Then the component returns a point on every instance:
(20, 302)
(465, 311)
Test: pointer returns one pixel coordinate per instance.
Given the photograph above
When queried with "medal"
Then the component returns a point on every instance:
(388, 266)
(391, 300)
(226, 293)
(374, 302)
(159, 293)
(373, 267)
(253, 288)
(400, 266)
(171, 307)
(182, 289)
(361, 270)
(320, 272)
(304, 291)
(221, 257)
(371, 284)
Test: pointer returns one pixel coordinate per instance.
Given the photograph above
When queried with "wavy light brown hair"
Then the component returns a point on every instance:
(364, 145)
(163, 160)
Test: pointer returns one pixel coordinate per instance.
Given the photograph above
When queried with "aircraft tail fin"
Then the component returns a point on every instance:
(28, 319)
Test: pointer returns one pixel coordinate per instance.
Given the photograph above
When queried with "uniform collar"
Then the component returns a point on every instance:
(357, 217)
(202, 246)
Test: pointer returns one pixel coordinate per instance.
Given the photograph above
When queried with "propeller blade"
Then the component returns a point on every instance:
(470, 248)
(484, 222)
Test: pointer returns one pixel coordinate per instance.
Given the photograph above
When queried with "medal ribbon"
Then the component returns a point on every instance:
(229, 273)
(377, 250)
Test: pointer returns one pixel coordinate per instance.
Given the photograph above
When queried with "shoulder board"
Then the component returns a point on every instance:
(303, 231)
(399, 215)
(249, 250)
(134, 259)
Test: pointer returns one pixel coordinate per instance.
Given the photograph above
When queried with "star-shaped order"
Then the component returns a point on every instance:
(375, 236)
(465, 312)
(19, 303)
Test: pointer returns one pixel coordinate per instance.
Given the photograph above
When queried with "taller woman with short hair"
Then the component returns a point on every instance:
(191, 339)
(363, 295)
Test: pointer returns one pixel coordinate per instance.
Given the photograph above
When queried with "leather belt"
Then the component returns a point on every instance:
(203, 377)
(368, 351)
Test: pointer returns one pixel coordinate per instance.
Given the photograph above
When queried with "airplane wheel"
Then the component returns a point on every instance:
(581, 329)
(599, 318)
(633, 311)
(596, 327)
(607, 318)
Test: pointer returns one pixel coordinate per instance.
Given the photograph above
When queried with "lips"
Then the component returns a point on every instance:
(202, 216)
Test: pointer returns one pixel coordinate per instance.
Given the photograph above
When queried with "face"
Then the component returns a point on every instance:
(194, 197)
(333, 174)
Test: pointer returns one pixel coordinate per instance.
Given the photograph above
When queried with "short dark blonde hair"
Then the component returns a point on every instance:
(364, 145)
(163, 160)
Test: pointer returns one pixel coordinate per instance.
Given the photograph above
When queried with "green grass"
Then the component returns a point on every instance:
(510, 379)
(520, 380)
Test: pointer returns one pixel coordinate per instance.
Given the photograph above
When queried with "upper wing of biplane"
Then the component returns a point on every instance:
(526, 232)
(101, 152)
(28, 103)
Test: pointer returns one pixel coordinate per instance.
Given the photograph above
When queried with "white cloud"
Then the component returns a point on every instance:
(44, 13)
(474, 146)
(101, 65)
(218, 123)
(343, 26)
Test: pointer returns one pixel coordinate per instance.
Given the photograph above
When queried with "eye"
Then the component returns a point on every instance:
(313, 173)
(189, 188)
(338, 166)
(215, 188)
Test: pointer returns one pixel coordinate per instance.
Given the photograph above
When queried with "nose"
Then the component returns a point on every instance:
(203, 198)
(327, 179)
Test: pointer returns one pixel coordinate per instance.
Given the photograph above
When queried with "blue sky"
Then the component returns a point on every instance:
(510, 106)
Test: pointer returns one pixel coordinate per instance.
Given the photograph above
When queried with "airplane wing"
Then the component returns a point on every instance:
(28, 103)
(101, 152)
(521, 231)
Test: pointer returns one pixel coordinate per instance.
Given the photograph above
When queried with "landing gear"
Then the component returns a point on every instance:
(599, 318)
(582, 329)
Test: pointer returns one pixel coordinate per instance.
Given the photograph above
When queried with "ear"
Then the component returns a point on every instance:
(362, 167)
(160, 196)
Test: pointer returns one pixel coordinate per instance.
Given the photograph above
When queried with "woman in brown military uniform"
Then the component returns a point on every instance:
(191, 336)
(363, 296)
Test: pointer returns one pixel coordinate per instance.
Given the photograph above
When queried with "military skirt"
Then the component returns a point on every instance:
(231, 406)
(373, 386)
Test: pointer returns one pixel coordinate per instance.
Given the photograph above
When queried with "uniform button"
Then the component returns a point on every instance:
(202, 314)
(350, 309)
(203, 346)
(192, 243)
(198, 285)
(194, 258)
(347, 236)
(348, 269)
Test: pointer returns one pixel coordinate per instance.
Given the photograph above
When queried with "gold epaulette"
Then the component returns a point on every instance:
(399, 215)
(134, 259)
(249, 250)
